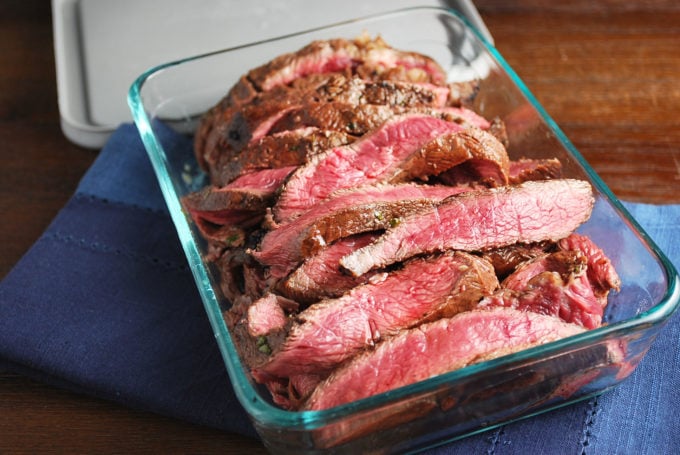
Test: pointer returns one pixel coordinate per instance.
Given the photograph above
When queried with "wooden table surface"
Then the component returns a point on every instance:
(607, 71)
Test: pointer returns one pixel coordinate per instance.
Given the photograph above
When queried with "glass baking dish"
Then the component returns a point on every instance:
(167, 102)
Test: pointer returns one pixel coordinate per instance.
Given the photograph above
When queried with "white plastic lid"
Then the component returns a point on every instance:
(101, 46)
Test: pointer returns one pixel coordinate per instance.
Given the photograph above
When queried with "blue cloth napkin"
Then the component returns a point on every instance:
(104, 303)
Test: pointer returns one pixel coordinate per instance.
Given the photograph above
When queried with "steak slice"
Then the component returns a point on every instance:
(506, 259)
(471, 146)
(240, 274)
(526, 169)
(318, 57)
(331, 331)
(204, 137)
(601, 273)
(225, 127)
(565, 264)
(349, 212)
(385, 62)
(442, 346)
(498, 129)
(249, 192)
(482, 219)
(327, 56)
(241, 204)
(355, 90)
(348, 118)
(548, 293)
(571, 283)
(320, 276)
(290, 392)
(397, 93)
(361, 119)
(366, 57)
(371, 159)
(268, 314)
(230, 267)
(287, 148)
(554, 285)
(250, 122)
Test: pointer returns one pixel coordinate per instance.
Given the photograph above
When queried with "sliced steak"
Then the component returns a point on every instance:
(240, 204)
(345, 277)
(361, 119)
(524, 170)
(405, 94)
(287, 148)
(379, 59)
(497, 128)
(227, 127)
(373, 158)
(355, 90)
(240, 275)
(224, 228)
(349, 212)
(249, 192)
(268, 314)
(331, 331)
(317, 57)
(506, 259)
(370, 59)
(571, 283)
(541, 285)
(289, 393)
(337, 54)
(320, 276)
(442, 346)
(347, 118)
(601, 273)
(482, 219)
(548, 293)
(566, 264)
(230, 267)
(472, 146)
(250, 122)
(204, 137)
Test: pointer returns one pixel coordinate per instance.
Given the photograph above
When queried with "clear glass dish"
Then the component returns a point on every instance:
(172, 97)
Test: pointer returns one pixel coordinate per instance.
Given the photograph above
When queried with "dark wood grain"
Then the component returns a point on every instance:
(609, 75)
(610, 80)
